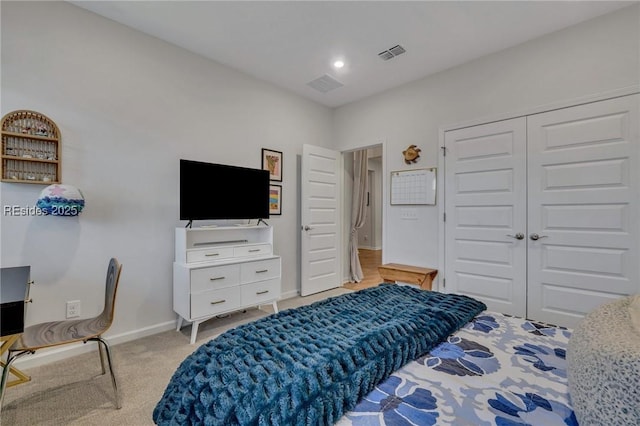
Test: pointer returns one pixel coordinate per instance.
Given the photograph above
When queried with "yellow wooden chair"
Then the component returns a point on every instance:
(49, 334)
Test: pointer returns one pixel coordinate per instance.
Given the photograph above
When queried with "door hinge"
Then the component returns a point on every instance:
(444, 282)
(444, 151)
(444, 217)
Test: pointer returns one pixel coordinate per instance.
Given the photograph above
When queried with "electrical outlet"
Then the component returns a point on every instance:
(73, 308)
(409, 214)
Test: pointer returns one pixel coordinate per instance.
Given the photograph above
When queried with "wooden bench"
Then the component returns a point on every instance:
(394, 272)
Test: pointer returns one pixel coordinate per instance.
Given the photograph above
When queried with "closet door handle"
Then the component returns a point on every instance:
(536, 237)
(518, 236)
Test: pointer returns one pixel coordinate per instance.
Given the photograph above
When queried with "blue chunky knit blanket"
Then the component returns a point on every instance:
(308, 366)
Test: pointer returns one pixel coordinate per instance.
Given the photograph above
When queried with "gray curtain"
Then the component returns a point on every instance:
(358, 211)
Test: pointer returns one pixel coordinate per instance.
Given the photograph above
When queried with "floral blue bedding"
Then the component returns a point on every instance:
(497, 370)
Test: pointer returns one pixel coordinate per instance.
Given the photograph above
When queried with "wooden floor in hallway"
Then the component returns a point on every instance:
(369, 260)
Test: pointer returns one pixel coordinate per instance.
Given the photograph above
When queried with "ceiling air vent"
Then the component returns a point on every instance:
(386, 55)
(391, 53)
(325, 83)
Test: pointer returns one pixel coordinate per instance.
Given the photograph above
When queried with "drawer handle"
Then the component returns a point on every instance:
(262, 271)
(216, 278)
(253, 250)
(212, 254)
(262, 292)
(217, 302)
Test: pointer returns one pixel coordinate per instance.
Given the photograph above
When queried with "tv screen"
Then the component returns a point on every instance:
(218, 191)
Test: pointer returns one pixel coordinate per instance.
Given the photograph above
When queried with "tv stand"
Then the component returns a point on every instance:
(223, 269)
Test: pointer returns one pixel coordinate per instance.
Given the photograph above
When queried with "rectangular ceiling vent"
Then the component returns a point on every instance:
(391, 53)
(325, 83)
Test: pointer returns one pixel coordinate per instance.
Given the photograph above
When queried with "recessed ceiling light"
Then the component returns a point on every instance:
(338, 64)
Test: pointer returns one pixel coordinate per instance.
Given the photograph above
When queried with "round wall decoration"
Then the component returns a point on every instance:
(411, 154)
(61, 200)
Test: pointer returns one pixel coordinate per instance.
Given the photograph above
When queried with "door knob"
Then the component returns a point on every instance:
(518, 236)
(536, 237)
(307, 228)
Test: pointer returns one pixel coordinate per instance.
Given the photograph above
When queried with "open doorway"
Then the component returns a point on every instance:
(370, 233)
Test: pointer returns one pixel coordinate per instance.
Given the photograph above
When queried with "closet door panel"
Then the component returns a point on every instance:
(583, 188)
(485, 202)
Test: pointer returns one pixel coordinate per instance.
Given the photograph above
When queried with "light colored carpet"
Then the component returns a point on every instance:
(73, 392)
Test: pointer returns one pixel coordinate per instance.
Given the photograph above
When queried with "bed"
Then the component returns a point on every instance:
(496, 370)
(391, 355)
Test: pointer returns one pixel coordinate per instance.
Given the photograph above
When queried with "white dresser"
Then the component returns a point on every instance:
(222, 269)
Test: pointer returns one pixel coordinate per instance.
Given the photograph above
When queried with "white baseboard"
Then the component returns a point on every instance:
(46, 356)
(289, 294)
(370, 247)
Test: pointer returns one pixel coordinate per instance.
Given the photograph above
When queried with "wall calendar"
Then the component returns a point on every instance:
(413, 187)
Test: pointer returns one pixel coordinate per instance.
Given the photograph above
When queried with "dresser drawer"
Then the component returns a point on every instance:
(209, 254)
(212, 302)
(259, 292)
(214, 277)
(252, 250)
(259, 270)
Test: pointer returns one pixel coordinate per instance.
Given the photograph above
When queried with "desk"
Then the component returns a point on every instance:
(393, 272)
(14, 294)
(5, 344)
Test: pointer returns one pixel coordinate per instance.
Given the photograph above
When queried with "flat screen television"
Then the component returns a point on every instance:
(211, 191)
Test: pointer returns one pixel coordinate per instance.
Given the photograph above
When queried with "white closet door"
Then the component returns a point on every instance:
(485, 196)
(583, 203)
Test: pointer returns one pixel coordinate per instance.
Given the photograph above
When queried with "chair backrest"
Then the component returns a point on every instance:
(111, 288)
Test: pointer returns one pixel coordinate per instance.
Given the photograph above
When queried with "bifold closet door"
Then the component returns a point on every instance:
(583, 185)
(485, 204)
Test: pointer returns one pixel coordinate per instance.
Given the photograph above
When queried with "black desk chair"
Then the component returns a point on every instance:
(49, 334)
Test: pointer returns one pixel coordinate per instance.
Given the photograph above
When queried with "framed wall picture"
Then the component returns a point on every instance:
(272, 161)
(275, 199)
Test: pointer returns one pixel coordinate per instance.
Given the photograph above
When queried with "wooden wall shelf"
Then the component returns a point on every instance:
(30, 148)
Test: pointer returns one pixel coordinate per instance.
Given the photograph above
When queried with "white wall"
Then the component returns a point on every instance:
(375, 165)
(128, 107)
(593, 57)
(370, 235)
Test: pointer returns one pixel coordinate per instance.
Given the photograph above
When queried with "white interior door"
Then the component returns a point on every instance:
(321, 239)
(583, 205)
(485, 178)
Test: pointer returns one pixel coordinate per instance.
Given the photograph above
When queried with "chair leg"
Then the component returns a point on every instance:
(104, 371)
(6, 370)
(5, 378)
(104, 344)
